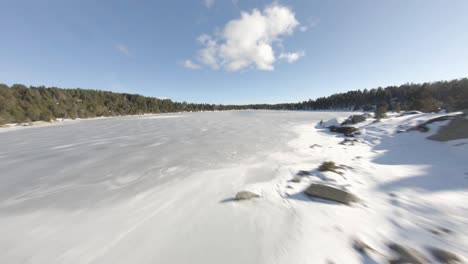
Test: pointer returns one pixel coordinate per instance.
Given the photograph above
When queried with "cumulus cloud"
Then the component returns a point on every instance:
(208, 54)
(292, 56)
(123, 49)
(191, 65)
(249, 41)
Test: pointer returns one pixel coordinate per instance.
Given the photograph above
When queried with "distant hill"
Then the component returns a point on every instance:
(19, 103)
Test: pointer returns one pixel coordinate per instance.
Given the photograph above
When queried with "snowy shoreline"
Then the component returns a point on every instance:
(60, 121)
(412, 190)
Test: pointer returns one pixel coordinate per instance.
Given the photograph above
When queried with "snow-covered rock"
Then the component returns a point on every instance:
(333, 122)
(444, 256)
(330, 193)
(407, 255)
(354, 119)
(246, 195)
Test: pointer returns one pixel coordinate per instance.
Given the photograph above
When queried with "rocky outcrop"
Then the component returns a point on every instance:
(330, 193)
(456, 129)
(346, 130)
(444, 256)
(459, 123)
(354, 119)
(406, 255)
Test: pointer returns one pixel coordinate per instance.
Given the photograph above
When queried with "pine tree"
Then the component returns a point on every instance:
(381, 111)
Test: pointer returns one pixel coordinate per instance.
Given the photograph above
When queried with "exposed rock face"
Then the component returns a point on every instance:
(444, 256)
(330, 193)
(407, 255)
(246, 195)
(346, 130)
(456, 129)
(303, 173)
(354, 119)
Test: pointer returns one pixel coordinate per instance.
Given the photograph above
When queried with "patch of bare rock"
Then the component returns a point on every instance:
(331, 193)
(245, 195)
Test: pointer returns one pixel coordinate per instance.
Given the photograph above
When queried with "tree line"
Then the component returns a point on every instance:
(426, 97)
(19, 103)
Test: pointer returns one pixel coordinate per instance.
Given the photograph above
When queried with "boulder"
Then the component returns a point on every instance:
(296, 179)
(303, 173)
(330, 193)
(406, 255)
(456, 129)
(332, 122)
(444, 256)
(245, 195)
(423, 127)
(354, 119)
(346, 130)
(410, 113)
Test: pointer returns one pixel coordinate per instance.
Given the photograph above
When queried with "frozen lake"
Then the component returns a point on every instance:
(147, 189)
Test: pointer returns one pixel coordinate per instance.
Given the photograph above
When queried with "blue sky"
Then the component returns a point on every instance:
(312, 48)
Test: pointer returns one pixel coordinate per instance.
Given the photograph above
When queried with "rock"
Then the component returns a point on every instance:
(332, 122)
(423, 127)
(445, 230)
(303, 173)
(456, 129)
(354, 119)
(360, 246)
(410, 113)
(349, 142)
(330, 193)
(444, 256)
(346, 130)
(296, 179)
(407, 255)
(246, 195)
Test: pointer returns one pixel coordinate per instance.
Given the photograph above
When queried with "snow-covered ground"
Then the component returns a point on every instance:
(154, 189)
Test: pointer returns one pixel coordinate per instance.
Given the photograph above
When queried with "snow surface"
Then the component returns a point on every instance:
(159, 190)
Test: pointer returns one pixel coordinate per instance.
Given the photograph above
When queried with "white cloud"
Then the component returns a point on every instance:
(209, 3)
(123, 50)
(292, 56)
(208, 55)
(303, 28)
(191, 65)
(247, 42)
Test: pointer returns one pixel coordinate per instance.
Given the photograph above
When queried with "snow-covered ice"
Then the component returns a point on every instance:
(158, 189)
